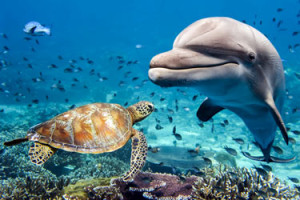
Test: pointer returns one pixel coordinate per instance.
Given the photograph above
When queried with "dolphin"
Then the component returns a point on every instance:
(36, 29)
(237, 68)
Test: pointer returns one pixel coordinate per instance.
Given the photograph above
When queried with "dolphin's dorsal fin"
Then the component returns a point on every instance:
(277, 117)
(32, 29)
(207, 110)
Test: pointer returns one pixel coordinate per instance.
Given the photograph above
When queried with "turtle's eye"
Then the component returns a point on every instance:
(150, 107)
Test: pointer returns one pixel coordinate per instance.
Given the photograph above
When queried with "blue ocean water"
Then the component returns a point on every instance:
(120, 38)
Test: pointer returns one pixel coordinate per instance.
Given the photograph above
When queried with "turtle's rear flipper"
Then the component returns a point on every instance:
(271, 159)
(139, 150)
(15, 142)
(40, 153)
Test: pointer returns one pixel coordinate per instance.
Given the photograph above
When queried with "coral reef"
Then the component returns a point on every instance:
(32, 188)
(147, 186)
(78, 190)
(219, 182)
(242, 183)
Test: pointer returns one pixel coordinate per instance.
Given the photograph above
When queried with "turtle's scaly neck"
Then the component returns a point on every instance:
(133, 114)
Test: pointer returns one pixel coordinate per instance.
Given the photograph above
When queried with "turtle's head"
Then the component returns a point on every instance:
(140, 110)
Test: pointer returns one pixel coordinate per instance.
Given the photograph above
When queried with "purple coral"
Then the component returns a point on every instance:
(156, 186)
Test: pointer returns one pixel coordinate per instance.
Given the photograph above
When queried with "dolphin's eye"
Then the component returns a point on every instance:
(251, 56)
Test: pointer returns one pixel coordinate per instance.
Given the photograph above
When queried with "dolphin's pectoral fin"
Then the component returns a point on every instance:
(271, 159)
(207, 110)
(281, 160)
(277, 117)
(257, 158)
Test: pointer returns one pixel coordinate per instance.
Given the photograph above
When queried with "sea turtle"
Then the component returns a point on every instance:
(93, 128)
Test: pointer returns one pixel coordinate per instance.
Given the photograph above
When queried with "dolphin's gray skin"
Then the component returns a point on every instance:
(236, 67)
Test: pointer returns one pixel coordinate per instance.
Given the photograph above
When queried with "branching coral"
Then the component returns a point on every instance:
(36, 188)
(242, 183)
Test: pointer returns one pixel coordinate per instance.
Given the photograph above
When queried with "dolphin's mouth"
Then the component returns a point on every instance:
(194, 67)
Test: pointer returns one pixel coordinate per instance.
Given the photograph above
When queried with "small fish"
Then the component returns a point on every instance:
(25, 59)
(37, 42)
(178, 136)
(162, 99)
(161, 163)
(60, 57)
(239, 140)
(6, 48)
(27, 38)
(277, 149)
(279, 9)
(2, 110)
(157, 120)
(294, 180)
(296, 132)
(279, 23)
(174, 130)
(296, 45)
(292, 140)
(226, 122)
(267, 167)
(261, 171)
(68, 70)
(29, 65)
(158, 127)
(90, 62)
(47, 97)
(153, 149)
(35, 101)
(32, 49)
(170, 119)
(66, 100)
(201, 124)
(295, 33)
(274, 19)
(4, 35)
(222, 124)
(231, 151)
(195, 97)
(126, 104)
(72, 106)
(135, 78)
(52, 66)
(152, 94)
(207, 160)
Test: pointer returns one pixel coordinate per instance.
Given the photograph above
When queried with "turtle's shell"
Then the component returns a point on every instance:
(92, 128)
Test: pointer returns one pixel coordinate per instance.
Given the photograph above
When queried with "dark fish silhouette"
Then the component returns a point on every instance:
(60, 57)
(267, 167)
(72, 106)
(279, 9)
(294, 180)
(277, 149)
(195, 97)
(153, 149)
(239, 140)
(295, 33)
(261, 171)
(158, 127)
(296, 132)
(207, 160)
(170, 119)
(35, 101)
(231, 151)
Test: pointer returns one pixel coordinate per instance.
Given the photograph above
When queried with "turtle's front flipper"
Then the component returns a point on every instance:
(139, 150)
(40, 153)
